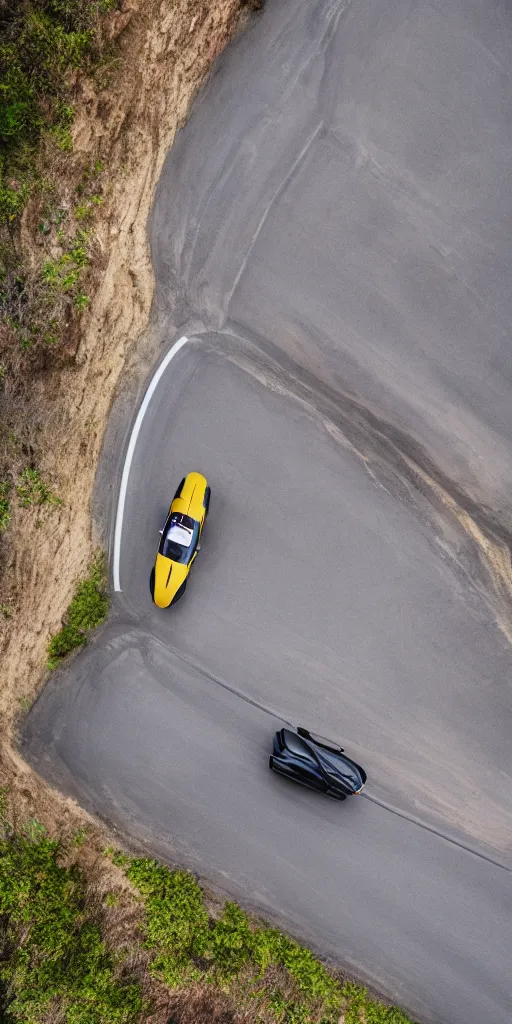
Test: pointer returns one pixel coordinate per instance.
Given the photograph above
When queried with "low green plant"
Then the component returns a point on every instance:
(177, 922)
(14, 191)
(32, 490)
(63, 272)
(5, 504)
(188, 944)
(118, 858)
(360, 1008)
(62, 135)
(297, 1013)
(87, 610)
(229, 944)
(40, 43)
(285, 1011)
(85, 210)
(54, 963)
(81, 301)
(79, 837)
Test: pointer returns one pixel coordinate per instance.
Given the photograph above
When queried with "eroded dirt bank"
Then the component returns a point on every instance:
(165, 52)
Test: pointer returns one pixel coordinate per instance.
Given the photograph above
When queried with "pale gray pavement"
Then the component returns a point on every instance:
(342, 191)
(335, 214)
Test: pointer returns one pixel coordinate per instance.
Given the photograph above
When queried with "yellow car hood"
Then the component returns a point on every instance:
(169, 576)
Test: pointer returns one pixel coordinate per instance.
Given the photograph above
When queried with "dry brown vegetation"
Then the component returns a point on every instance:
(90, 207)
(55, 397)
(61, 357)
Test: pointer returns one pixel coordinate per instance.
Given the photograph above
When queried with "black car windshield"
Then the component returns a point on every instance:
(179, 538)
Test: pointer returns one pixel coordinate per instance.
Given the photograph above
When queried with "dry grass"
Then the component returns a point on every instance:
(55, 399)
(54, 402)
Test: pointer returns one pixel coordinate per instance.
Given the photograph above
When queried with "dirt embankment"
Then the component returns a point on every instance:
(165, 51)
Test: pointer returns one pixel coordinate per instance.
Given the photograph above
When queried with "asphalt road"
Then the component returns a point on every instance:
(318, 598)
(341, 192)
(335, 230)
(180, 764)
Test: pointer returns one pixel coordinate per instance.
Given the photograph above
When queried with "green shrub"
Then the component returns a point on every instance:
(311, 977)
(12, 197)
(87, 610)
(64, 272)
(32, 490)
(361, 1009)
(230, 942)
(85, 210)
(187, 944)
(176, 919)
(53, 960)
(41, 41)
(5, 504)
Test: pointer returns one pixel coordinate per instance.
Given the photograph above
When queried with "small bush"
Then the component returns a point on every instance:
(230, 943)
(5, 504)
(187, 944)
(85, 210)
(54, 963)
(176, 919)
(40, 43)
(64, 273)
(361, 1009)
(87, 610)
(44, 45)
(32, 490)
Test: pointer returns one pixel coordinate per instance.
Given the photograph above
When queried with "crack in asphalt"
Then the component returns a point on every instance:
(297, 163)
(436, 832)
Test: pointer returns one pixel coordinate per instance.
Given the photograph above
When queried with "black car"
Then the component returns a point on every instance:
(316, 763)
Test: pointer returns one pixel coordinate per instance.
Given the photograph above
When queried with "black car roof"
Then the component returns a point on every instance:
(326, 758)
(295, 744)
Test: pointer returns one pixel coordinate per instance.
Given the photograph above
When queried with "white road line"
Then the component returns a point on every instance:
(129, 455)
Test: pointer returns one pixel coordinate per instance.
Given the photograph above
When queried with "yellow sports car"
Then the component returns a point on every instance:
(181, 537)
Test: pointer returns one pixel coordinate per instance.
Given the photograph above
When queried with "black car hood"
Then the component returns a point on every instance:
(340, 765)
(334, 765)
